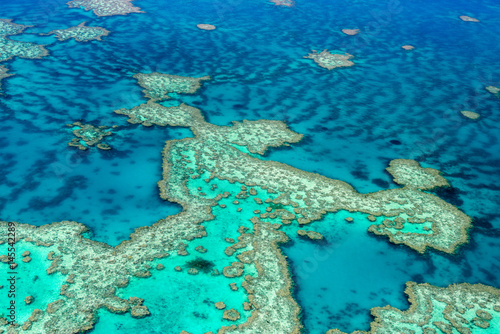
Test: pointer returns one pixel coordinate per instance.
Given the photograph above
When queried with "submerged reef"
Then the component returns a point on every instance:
(11, 49)
(218, 169)
(88, 135)
(7, 27)
(201, 265)
(468, 18)
(284, 3)
(81, 33)
(4, 74)
(157, 86)
(351, 32)
(269, 294)
(408, 47)
(470, 114)
(310, 234)
(151, 113)
(458, 308)
(408, 173)
(204, 26)
(330, 61)
(106, 7)
(493, 90)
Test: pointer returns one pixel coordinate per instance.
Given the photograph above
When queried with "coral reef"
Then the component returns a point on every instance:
(220, 305)
(351, 32)
(11, 49)
(330, 61)
(201, 265)
(151, 113)
(204, 26)
(231, 314)
(88, 135)
(275, 310)
(98, 269)
(81, 33)
(408, 173)
(280, 194)
(458, 308)
(7, 27)
(157, 86)
(310, 234)
(283, 3)
(106, 7)
(493, 90)
(470, 114)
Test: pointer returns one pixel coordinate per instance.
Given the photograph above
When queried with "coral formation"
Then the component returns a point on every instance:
(408, 173)
(234, 270)
(310, 234)
(220, 305)
(231, 314)
(493, 90)
(88, 135)
(283, 3)
(4, 74)
(138, 310)
(280, 194)
(151, 113)
(351, 32)
(468, 18)
(458, 308)
(106, 7)
(157, 86)
(330, 61)
(204, 26)
(470, 114)
(81, 33)
(408, 47)
(11, 49)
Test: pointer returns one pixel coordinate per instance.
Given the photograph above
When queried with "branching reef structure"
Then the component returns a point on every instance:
(214, 173)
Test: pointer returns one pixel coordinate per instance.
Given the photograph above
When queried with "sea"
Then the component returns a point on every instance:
(392, 104)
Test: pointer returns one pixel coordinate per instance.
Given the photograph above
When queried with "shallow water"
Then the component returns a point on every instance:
(391, 104)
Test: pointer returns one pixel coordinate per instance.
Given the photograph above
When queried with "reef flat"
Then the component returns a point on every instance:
(269, 293)
(11, 49)
(158, 86)
(106, 7)
(81, 33)
(308, 195)
(470, 114)
(468, 18)
(409, 174)
(351, 32)
(458, 308)
(329, 60)
(151, 113)
(212, 174)
(283, 3)
(204, 26)
(493, 90)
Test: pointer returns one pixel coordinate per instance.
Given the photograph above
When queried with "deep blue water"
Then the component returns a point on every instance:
(255, 58)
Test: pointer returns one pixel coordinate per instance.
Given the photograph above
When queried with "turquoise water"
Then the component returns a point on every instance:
(168, 289)
(391, 104)
(32, 280)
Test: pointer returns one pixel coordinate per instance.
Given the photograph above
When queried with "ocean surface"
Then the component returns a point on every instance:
(391, 104)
